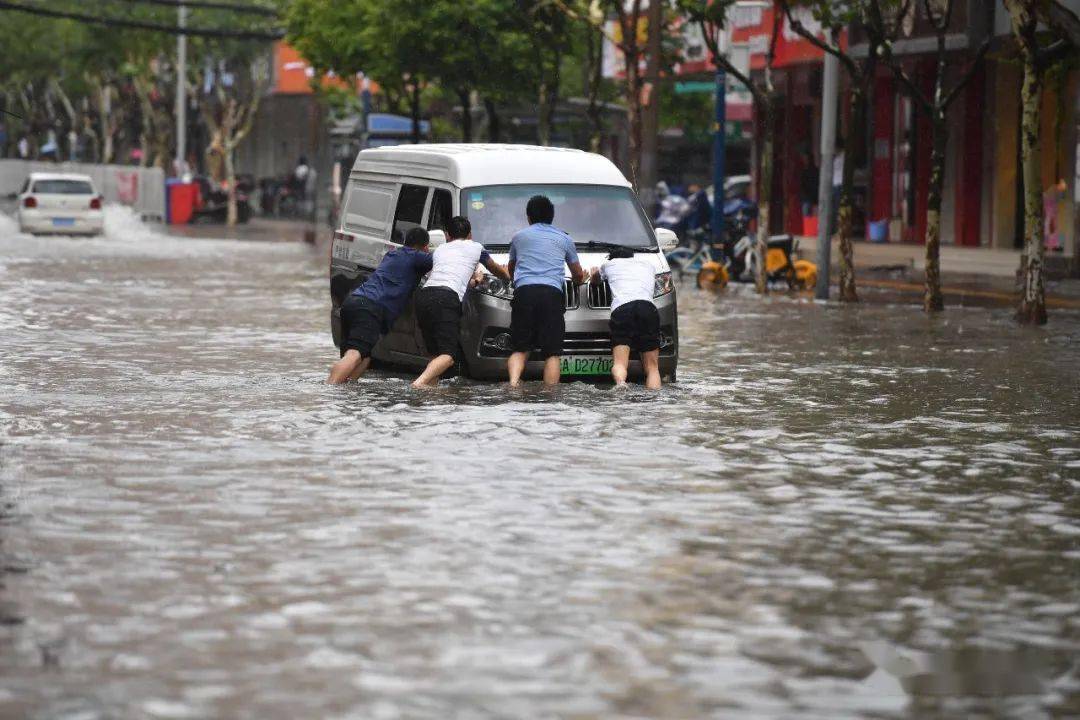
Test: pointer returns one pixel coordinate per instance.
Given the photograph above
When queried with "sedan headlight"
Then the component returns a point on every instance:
(664, 284)
(496, 287)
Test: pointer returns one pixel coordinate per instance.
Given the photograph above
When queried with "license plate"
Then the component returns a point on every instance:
(63, 222)
(341, 250)
(574, 365)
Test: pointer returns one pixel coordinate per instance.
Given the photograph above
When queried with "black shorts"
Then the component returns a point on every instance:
(636, 324)
(536, 320)
(363, 322)
(438, 312)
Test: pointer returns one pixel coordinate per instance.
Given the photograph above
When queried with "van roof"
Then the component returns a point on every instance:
(474, 164)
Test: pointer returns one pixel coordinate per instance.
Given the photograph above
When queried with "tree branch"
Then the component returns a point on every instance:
(813, 39)
(968, 74)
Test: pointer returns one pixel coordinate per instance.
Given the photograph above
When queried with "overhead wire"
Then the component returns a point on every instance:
(197, 4)
(142, 25)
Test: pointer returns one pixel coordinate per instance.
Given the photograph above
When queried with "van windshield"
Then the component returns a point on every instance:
(588, 213)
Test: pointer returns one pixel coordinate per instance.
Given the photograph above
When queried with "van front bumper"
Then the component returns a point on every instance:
(485, 330)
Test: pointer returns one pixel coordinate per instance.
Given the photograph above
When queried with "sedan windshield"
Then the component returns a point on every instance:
(588, 213)
(63, 187)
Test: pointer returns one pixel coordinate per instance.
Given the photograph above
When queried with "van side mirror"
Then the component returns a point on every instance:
(436, 238)
(666, 239)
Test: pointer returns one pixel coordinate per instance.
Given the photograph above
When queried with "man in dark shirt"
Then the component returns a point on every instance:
(371, 309)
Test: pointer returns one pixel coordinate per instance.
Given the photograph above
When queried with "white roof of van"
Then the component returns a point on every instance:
(59, 176)
(474, 164)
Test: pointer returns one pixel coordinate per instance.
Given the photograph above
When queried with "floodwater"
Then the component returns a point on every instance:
(835, 513)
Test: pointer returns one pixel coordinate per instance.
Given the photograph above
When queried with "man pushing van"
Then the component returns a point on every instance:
(635, 322)
(438, 304)
(371, 309)
(537, 256)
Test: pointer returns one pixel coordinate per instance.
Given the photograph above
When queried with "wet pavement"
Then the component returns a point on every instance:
(835, 513)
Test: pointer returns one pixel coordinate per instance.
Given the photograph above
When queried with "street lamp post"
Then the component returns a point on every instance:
(719, 151)
(181, 91)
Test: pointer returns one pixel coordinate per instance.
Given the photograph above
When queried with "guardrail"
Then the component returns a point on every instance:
(141, 188)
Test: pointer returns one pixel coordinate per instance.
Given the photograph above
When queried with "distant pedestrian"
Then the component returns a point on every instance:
(23, 148)
(538, 256)
(438, 303)
(371, 309)
(837, 184)
(635, 321)
(300, 176)
(809, 179)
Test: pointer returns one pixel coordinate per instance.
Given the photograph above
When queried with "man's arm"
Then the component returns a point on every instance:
(596, 276)
(495, 268)
(577, 273)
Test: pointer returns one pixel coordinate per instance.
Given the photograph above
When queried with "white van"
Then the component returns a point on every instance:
(391, 190)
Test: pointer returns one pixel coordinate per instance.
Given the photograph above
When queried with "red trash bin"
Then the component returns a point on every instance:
(183, 197)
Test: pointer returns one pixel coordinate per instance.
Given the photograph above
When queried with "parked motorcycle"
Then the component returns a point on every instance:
(738, 259)
(213, 206)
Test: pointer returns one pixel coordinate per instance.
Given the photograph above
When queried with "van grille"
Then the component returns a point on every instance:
(600, 295)
(570, 295)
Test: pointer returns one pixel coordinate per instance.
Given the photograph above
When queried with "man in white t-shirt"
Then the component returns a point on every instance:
(635, 322)
(438, 304)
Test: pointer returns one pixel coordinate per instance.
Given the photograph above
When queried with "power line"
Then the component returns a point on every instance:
(231, 7)
(139, 25)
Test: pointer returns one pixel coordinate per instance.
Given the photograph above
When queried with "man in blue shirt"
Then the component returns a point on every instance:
(538, 255)
(371, 309)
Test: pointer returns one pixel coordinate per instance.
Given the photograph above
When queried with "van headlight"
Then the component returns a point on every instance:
(496, 287)
(664, 284)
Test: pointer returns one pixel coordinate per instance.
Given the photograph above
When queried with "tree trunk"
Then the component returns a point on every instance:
(231, 215)
(932, 298)
(543, 127)
(764, 187)
(593, 82)
(845, 215)
(633, 111)
(466, 114)
(414, 111)
(1032, 309)
(105, 115)
(494, 127)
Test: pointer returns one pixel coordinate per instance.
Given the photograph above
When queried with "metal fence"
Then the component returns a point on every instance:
(143, 189)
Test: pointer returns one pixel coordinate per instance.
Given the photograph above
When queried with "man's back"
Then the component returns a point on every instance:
(539, 253)
(393, 281)
(630, 279)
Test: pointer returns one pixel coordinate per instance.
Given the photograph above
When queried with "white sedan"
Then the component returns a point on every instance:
(60, 203)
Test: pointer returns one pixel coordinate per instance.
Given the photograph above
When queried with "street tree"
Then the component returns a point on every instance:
(711, 16)
(1036, 59)
(884, 17)
(834, 18)
(229, 109)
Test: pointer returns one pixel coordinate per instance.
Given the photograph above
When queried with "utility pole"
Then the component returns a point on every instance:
(181, 90)
(719, 152)
(828, 147)
(650, 120)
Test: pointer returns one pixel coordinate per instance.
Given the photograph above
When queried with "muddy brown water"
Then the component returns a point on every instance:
(835, 513)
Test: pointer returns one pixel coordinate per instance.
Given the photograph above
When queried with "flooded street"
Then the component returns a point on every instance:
(835, 513)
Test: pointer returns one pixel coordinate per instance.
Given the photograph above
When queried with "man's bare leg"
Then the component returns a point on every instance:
(515, 366)
(651, 362)
(620, 356)
(349, 367)
(552, 370)
(434, 370)
(360, 369)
